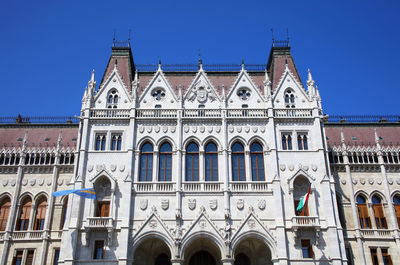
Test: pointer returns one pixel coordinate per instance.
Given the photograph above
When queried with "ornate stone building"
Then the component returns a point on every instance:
(200, 164)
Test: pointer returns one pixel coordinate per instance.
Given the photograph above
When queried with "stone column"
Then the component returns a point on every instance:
(227, 261)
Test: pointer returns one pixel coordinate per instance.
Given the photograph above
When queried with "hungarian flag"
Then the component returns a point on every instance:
(86, 193)
(303, 201)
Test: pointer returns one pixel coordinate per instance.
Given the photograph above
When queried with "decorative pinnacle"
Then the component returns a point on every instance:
(242, 64)
(159, 64)
(342, 136)
(376, 136)
(92, 77)
(310, 81)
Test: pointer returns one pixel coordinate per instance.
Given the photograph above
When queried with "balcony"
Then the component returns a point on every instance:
(305, 222)
(292, 113)
(27, 235)
(206, 186)
(156, 113)
(155, 187)
(99, 223)
(377, 233)
(110, 113)
(250, 186)
(247, 113)
(201, 113)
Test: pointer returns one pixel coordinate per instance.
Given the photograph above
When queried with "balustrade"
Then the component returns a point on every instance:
(156, 113)
(155, 186)
(247, 113)
(207, 113)
(305, 222)
(293, 113)
(100, 222)
(110, 113)
(376, 233)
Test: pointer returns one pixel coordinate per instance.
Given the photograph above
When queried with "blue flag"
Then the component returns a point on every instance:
(86, 193)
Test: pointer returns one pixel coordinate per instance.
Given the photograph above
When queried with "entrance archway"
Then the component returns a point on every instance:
(202, 258)
(152, 251)
(252, 251)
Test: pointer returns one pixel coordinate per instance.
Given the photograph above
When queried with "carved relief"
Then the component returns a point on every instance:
(213, 204)
(164, 204)
(192, 204)
(262, 204)
(143, 204)
(240, 204)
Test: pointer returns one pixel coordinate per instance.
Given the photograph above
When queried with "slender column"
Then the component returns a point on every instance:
(155, 164)
(225, 165)
(14, 205)
(180, 175)
(50, 209)
(247, 165)
(202, 175)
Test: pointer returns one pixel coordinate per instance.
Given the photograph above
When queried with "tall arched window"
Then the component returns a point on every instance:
(165, 162)
(40, 214)
(286, 141)
(192, 162)
(289, 99)
(23, 218)
(257, 162)
(103, 194)
(100, 142)
(380, 219)
(64, 213)
(116, 140)
(365, 222)
(4, 211)
(301, 186)
(396, 205)
(238, 165)
(211, 153)
(112, 100)
(146, 162)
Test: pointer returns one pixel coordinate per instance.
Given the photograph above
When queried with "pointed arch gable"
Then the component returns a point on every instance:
(152, 234)
(201, 234)
(191, 139)
(238, 139)
(213, 139)
(379, 194)
(144, 140)
(244, 80)
(25, 195)
(40, 195)
(104, 173)
(201, 80)
(300, 173)
(164, 84)
(258, 139)
(5, 195)
(362, 193)
(117, 76)
(167, 139)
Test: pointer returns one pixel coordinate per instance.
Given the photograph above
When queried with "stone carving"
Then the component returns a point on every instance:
(24, 182)
(141, 129)
(173, 129)
(99, 168)
(355, 181)
(90, 168)
(255, 129)
(186, 129)
(217, 129)
(192, 204)
(398, 181)
(282, 167)
(49, 182)
(305, 168)
(194, 129)
(202, 129)
(262, 129)
(113, 167)
(13, 182)
(314, 167)
(143, 204)
(262, 204)
(121, 168)
(153, 223)
(202, 223)
(60, 181)
(210, 129)
(5, 182)
(379, 182)
(40, 182)
(247, 129)
(157, 129)
(231, 129)
(164, 204)
(343, 181)
(371, 181)
(213, 204)
(390, 180)
(362, 181)
(251, 223)
(240, 204)
(291, 167)
(239, 129)
(202, 92)
(32, 182)
(149, 129)
(165, 129)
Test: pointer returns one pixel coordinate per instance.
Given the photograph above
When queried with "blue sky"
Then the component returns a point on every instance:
(48, 48)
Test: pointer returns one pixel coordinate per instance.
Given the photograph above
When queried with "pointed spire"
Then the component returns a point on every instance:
(342, 140)
(92, 77)
(179, 92)
(267, 85)
(200, 62)
(59, 140)
(159, 64)
(310, 81)
(242, 64)
(25, 142)
(376, 136)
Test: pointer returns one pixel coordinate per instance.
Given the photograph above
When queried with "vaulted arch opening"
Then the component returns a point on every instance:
(152, 251)
(202, 251)
(252, 251)
(104, 197)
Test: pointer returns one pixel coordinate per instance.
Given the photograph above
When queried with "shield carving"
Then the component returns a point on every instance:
(164, 204)
(213, 204)
(192, 204)
(201, 95)
(143, 204)
(240, 204)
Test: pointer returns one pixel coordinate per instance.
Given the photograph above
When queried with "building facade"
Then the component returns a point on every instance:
(202, 165)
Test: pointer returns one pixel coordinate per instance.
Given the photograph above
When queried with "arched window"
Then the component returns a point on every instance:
(365, 222)
(23, 218)
(4, 212)
(116, 140)
(396, 204)
(286, 141)
(302, 142)
(211, 153)
(257, 162)
(165, 164)
(192, 162)
(40, 214)
(301, 186)
(289, 99)
(238, 165)
(100, 142)
(146, 162)
(103, 195)
(112, 100)
(380, 219)
(64, 213)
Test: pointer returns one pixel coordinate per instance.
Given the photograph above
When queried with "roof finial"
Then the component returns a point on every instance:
(129, 36)
(92, 77)
(273, 40)
(376, 136)
(342, 140)
(200, 60)
(159, 64)
(242, 64)
(287, 36)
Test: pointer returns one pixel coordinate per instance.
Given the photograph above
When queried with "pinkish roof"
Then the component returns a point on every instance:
(37, 136)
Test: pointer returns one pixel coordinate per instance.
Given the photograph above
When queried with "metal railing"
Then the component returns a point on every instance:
(206, 67)
(38, 120)
(363, 118)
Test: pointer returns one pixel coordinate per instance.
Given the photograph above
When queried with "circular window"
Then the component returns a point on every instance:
(244, 93)
(158, 93)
